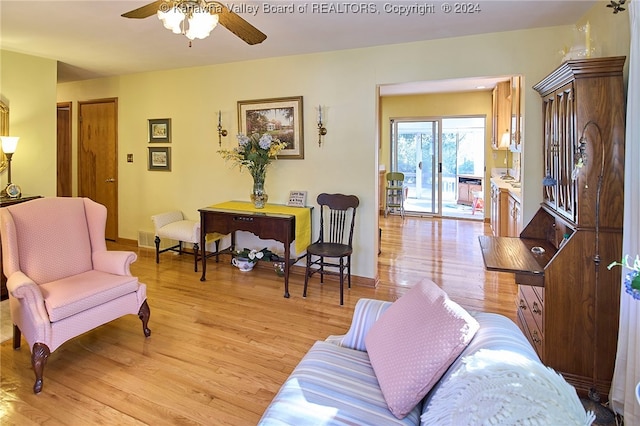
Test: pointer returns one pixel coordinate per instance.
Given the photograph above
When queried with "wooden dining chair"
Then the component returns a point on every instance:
(334, 246)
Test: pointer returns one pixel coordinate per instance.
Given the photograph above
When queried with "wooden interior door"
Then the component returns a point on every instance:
(97, 157)
(63, 160)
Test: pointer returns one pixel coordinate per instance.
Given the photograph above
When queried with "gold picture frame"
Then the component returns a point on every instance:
(280, 117)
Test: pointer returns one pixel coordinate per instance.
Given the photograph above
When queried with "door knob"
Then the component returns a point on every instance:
(110, 180)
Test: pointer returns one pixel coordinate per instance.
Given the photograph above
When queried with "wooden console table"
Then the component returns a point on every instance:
(5, 202)
(278, 222)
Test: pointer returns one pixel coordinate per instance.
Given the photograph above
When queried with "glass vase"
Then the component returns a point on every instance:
(258, 196)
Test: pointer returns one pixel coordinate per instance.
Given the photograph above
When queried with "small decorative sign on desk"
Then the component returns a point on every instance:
(297, 198)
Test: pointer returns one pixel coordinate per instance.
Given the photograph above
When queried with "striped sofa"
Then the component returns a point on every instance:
(334, 383)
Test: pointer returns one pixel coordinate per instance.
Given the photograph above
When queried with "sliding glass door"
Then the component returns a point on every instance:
(415, 151)
(440, 158)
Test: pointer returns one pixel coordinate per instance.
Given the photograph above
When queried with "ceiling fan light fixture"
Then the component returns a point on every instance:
(172, 19)
(201, 23)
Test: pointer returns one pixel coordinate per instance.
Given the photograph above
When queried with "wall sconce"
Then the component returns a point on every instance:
(221, 132)
(9, 145)
(321, 129)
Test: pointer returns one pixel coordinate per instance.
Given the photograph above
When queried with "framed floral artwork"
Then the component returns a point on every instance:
(279, 117)
(160, 158)
(160, 130)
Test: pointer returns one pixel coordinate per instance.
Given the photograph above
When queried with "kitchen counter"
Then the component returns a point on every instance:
(513, 187)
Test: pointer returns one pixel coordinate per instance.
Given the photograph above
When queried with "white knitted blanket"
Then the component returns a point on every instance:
(499, 387)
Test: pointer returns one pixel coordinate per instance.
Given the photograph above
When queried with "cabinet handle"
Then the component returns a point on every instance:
(536, 308)
(523, 306)
(536, 337)
(243, 219)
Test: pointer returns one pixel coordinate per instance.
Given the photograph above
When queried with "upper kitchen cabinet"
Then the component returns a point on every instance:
(516, 113)
(501, 129)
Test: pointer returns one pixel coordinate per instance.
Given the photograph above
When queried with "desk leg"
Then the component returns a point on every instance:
(203, 245)
(287, 267)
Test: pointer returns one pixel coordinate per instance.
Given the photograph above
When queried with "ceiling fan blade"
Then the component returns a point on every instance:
(239, 26)
(144, 11)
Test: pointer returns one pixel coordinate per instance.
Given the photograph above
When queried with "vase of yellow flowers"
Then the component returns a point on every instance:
(255, 152)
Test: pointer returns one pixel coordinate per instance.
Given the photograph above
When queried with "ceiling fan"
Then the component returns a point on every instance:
(195, 12)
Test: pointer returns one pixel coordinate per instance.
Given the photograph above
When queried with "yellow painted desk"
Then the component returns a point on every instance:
(278, 222)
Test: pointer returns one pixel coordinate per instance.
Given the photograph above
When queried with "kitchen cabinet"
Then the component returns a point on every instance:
(568, 304)
(501, 115)
(514, 216)
(516, 113)
(382, 184)
(466, 188)
(499, 210)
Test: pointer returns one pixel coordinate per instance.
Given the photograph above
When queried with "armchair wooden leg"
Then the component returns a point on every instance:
(144, 313)
(39, 355)
(157, 241)
(17, 336)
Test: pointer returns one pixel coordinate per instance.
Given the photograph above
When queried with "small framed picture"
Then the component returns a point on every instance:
(160, 130)
(297, 198)
(160, 158)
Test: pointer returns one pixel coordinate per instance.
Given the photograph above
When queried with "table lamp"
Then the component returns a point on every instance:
(9, 144)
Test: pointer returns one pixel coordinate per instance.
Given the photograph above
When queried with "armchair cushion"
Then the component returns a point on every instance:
(181, 230)
(58, 245)
(68, 296)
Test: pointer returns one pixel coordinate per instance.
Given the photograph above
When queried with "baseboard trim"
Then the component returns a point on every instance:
(299, 270)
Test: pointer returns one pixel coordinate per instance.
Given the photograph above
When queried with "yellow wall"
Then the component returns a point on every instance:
(436, 105)
(28, 87)
(345, 81)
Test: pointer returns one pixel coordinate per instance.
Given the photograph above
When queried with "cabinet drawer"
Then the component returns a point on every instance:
(532, 332)
(530, 302)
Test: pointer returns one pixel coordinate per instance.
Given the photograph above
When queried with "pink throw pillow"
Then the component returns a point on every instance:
(414, 342)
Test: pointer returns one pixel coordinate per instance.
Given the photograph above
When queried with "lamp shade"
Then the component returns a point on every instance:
(504, 141)
(9, 144)
(172, 19)
(201, 23)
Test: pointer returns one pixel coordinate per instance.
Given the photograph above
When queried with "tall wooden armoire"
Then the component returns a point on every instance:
(568, 304)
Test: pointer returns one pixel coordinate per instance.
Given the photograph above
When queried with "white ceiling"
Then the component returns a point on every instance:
(90, 39)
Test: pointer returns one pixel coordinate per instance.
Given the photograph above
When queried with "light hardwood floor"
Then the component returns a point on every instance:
(220, 349)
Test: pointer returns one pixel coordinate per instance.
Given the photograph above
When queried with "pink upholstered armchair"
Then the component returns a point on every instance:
(62, 281)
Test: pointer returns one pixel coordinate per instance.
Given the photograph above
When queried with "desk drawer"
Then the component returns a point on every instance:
(531, 318)
(533, 334)
(266, 227)
(530, 301)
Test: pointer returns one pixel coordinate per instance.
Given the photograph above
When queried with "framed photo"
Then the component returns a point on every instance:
(160, 158)
(160, 130)
(297, 198)
(280, 117)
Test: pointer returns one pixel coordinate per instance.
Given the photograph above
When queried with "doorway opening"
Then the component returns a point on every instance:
(443, 162)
